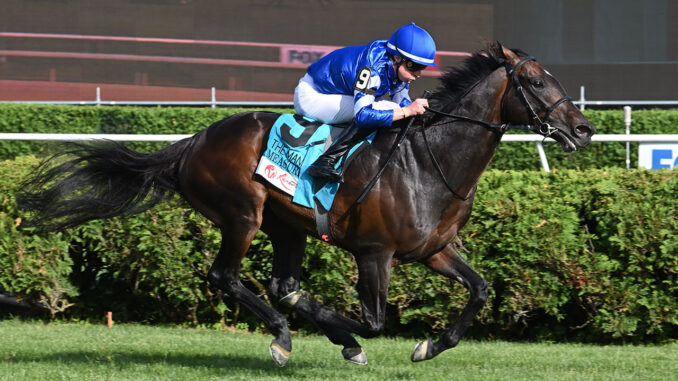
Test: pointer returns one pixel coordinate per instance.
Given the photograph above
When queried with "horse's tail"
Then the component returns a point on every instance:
(99, 180)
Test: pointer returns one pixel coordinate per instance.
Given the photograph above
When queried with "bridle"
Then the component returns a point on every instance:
(542, 126)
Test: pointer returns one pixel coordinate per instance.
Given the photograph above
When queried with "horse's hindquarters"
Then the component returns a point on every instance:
(217, 175)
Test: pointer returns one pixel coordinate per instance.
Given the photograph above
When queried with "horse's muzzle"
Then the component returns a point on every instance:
(585, 130)
(574, 138)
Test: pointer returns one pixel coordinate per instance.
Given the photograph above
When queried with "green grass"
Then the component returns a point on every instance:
(60, 351)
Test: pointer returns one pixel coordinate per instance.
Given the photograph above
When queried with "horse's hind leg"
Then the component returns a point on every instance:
(449, 263)
(216, 178)
(224, 274)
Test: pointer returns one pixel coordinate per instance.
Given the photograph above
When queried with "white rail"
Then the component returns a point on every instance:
(289, 104)
(643, 138)
(74, 137)
(667, 138)
(98, 101)
(538, 140)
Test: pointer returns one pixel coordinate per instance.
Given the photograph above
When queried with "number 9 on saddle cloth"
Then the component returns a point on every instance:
(294, 143)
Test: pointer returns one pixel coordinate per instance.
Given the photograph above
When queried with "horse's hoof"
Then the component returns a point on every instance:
(420, 350)
(355, 355)
(279, 354)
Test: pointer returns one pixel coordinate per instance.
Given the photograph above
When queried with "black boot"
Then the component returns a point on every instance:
(323, 167)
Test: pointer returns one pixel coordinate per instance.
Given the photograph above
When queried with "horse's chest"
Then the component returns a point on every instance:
(421, 234)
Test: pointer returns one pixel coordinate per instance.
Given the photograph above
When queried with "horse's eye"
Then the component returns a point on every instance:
(537, 83)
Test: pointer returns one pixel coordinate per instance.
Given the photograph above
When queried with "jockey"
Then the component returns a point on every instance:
(350, 84)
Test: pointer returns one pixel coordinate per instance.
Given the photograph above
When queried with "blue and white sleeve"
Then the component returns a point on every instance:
(401, 96)
(364, 92)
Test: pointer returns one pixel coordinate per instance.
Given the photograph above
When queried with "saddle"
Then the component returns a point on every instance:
(294, 143)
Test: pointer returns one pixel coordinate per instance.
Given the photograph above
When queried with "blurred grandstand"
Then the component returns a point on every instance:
(256, 51)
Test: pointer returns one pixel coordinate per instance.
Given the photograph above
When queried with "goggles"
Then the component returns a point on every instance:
(413, 66)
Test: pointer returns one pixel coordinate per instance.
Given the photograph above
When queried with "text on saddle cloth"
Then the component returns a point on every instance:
(294, 143)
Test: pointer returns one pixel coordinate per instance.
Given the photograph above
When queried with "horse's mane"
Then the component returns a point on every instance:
(457, 80)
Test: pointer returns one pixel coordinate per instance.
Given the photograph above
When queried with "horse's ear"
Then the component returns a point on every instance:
(498, 50)
(495, 50)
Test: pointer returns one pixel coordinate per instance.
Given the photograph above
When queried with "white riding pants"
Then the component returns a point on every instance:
(329, 108)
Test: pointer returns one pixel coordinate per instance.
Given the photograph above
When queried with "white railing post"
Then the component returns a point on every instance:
(627, 122)
(582, 98)
(214, 97)
(542, 157)
(98, 99)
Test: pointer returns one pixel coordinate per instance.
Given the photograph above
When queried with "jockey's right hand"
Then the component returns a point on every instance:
(417, 107)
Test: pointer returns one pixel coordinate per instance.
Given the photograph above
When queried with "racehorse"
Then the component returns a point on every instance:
(415, 209)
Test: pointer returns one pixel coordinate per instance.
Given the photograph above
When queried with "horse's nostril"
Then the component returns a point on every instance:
(583, 130)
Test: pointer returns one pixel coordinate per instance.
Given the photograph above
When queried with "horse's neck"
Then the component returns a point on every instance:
(483, 102)
(465, 149)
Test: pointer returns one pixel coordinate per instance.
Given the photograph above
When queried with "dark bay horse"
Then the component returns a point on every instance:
(414, 211)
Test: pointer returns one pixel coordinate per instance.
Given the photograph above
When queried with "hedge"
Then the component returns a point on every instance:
(102, 120)
(574, 255)
(184, 120)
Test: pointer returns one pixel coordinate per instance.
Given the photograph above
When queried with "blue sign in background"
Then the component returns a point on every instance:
(657, 155)
(660, 156)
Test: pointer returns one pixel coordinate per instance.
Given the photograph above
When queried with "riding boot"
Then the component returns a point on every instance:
(323, 167)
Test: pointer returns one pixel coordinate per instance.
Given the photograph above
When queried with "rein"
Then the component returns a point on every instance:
(542, 127)
(399, 139)
(494, 127)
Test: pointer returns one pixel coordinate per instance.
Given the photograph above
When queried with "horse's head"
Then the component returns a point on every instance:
(534, 97)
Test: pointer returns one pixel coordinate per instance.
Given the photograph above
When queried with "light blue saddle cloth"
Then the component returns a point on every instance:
(294, 143)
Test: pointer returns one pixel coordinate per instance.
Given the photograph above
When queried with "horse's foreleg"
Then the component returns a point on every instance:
(374, 274)
(225, 275)
(288, 246)
(372, 286)
(335, 326)
(449, 263)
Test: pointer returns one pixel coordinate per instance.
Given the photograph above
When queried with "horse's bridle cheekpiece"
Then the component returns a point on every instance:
(544, 128)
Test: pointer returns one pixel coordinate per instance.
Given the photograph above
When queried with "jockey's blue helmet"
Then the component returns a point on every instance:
(413, 43)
